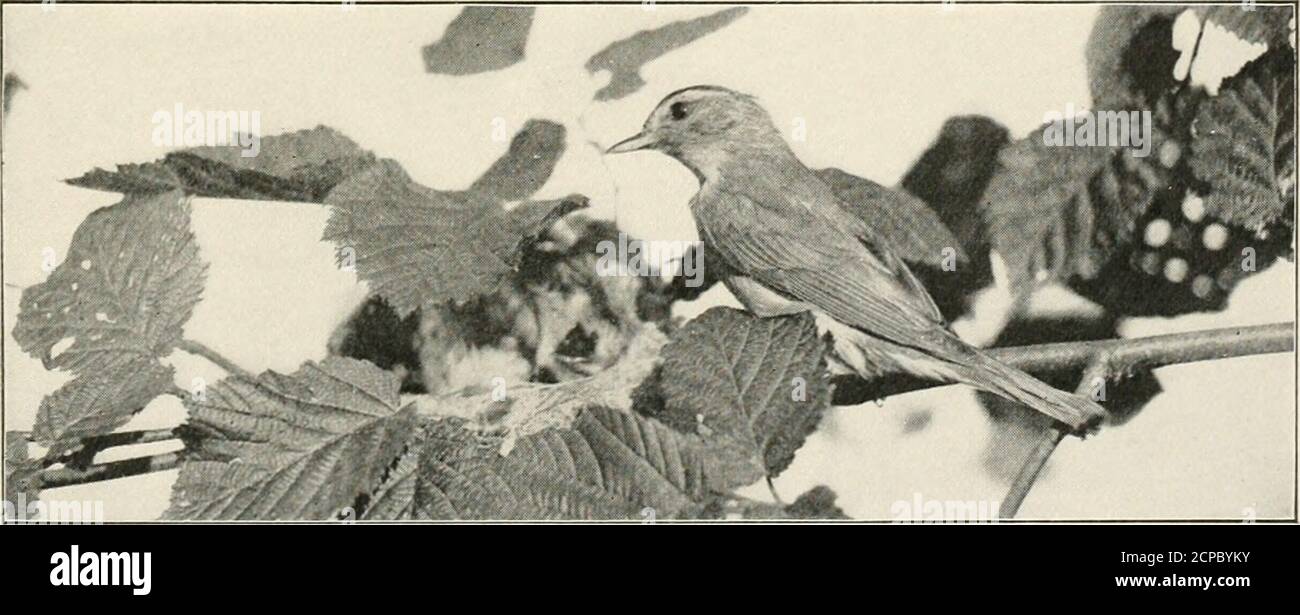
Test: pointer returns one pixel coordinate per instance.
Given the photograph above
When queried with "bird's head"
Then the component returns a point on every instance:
(704, 126)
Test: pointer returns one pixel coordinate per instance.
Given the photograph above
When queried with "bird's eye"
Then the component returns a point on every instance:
(678, 110)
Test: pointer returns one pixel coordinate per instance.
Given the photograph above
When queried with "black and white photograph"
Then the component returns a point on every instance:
(649, 263)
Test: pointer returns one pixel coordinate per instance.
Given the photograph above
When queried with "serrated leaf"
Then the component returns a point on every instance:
(301, 446)
(1036, 210)
(752, 388)
(624, 58)
(98, 402)
(421, 248)
(128, 285)
(1256, 24)
(481, 39)
(607, 464)
(1243, 143)
(298, 166)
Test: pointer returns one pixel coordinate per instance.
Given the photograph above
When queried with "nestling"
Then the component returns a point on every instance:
(790, 245)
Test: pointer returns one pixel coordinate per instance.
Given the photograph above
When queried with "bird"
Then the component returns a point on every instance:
(790, 245)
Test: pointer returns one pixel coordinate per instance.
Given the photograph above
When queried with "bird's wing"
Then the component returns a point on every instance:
(826, 258)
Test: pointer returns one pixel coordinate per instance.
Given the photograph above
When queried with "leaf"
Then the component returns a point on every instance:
(607, 464)
(1243, 143)
(21, 474)
(816, 503)
(752, 388)
(130, 281)
(524, 169)
(624, 58)
(1130, 55)
(1256, 24)
(952, 174)
(481, 39)
(302, 446)
(301, 166)
(1056, 212)
(99, 402)
(419, 247)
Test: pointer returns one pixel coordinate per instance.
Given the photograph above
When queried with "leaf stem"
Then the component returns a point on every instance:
(1124, 355)
(202, 350)
(96, 444)
(1049, 439)
(63, 477)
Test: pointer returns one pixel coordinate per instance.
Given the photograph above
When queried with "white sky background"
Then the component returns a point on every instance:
(872, 84)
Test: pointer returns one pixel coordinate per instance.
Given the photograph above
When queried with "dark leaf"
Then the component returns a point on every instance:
(481, 39)
(816, 503)
(1037, 213)
(300, 166)
(624, 58)
(1130, 55)
(130, 281)
(953, 173)
(1255, 24)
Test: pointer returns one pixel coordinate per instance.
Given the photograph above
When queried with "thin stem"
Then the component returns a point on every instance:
(202, 350)
(96, 444)
(1125, 355)
(63, 477)
(1049, 439)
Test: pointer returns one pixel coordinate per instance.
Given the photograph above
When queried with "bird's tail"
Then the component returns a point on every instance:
(1001, 379)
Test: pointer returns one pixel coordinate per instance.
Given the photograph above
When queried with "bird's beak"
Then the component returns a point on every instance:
(632, 144)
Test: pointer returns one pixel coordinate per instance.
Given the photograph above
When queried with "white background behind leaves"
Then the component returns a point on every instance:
(874, 84)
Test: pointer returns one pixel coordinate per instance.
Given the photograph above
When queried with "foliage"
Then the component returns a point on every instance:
(602, 419)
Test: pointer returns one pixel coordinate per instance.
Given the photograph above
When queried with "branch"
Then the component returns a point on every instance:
(63, 477)
(1124, 356)
(1106, 360)
(202, 350)
(82, 457)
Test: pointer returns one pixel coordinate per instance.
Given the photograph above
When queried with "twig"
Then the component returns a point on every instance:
(63, 477)
(1049, 439)
(1125, 355)
(94, 445)
(202, 350)
(1107, 359)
